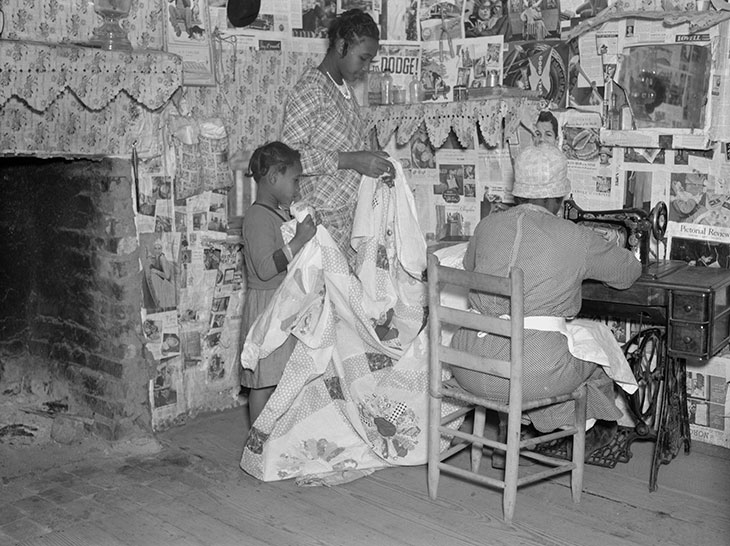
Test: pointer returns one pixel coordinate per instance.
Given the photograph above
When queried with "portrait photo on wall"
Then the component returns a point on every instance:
(451, 180)
(159, 289)
(534, 19)
(488, 18)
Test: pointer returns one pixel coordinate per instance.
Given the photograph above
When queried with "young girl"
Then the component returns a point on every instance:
(276, 168)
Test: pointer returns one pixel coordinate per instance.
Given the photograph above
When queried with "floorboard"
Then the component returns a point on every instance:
(193, 493)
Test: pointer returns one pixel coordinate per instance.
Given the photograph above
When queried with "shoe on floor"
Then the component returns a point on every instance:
(600, 435)
(498, 456)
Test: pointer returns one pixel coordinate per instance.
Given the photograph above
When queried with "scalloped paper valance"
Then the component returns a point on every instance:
(38, 73)
(441, 118)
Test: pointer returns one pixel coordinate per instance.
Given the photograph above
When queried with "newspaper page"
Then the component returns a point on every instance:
(166, 392)
(154, 186)
(495, 178)
(455, 195)
(592, 170)
(708, 400)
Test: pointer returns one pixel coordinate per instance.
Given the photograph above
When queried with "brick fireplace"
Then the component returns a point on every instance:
(70, 326)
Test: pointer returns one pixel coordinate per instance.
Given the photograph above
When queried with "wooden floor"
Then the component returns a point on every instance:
(193, 493)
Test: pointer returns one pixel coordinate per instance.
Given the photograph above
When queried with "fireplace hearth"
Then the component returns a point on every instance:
(70, 325)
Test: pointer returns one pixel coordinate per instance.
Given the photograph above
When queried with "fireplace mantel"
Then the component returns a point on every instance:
(69, 100)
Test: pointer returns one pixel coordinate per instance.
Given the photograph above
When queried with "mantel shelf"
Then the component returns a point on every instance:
(38, 73)
(497, 115)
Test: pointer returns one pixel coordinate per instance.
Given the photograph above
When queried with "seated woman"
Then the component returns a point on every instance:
(556, 256)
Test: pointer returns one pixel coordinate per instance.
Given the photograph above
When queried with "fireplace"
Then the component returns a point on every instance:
(70, 326)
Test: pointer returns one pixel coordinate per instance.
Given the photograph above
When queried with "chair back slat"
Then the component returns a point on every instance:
(474, 321)
(454, 357)
(482, 282)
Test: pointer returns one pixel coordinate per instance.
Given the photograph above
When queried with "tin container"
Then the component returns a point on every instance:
(493, 78)
(399, 95)
(461, 93)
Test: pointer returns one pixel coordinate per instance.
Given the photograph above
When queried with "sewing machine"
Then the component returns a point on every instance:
(629, 228)
(686, 311)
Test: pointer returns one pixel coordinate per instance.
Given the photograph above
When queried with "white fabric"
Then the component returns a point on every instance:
(593, 342)
(410, 243)
(409, 240)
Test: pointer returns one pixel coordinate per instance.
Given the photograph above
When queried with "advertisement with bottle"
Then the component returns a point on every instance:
(403, 62)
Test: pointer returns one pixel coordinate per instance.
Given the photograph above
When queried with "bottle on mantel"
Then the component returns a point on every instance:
(374, 78)
(415, 90)
(386, 87)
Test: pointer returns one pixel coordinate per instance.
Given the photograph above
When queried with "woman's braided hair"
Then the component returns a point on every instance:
(272, 155)
(352, 25)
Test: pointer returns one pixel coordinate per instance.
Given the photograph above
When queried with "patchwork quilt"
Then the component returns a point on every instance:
(353, 396)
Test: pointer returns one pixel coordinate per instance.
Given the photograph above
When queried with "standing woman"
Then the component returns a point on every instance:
(323, 121)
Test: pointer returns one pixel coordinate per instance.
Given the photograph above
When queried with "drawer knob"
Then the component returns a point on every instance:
(687, 308)
(687, 339)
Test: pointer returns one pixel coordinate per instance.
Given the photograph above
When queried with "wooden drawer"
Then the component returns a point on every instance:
(689, 339)
(691, 306)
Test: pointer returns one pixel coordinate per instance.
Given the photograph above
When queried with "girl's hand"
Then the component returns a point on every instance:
(305, 231)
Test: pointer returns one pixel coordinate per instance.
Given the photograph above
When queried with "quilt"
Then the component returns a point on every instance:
(353, 396)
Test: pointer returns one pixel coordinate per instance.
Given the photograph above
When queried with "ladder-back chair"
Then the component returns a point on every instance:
(442, 357)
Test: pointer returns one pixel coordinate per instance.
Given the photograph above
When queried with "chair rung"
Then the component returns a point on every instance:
(471, 438)
(537, 476)
(457, 393)
(563, 433)
(542, 402)
(469, 475)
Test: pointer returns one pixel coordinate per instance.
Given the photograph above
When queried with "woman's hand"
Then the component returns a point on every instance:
(373, 164)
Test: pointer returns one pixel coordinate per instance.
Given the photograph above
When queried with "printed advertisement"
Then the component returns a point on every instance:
(539, 66)
(708, 401)
(188, 34)
(466, 65)
(441, 22)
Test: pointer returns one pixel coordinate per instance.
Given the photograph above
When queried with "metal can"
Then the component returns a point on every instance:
(492, 78)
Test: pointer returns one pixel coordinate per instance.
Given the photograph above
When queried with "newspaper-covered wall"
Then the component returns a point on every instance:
(193, 289)
(708, 401)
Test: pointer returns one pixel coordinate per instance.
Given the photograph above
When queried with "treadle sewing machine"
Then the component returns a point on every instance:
(688, 309)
